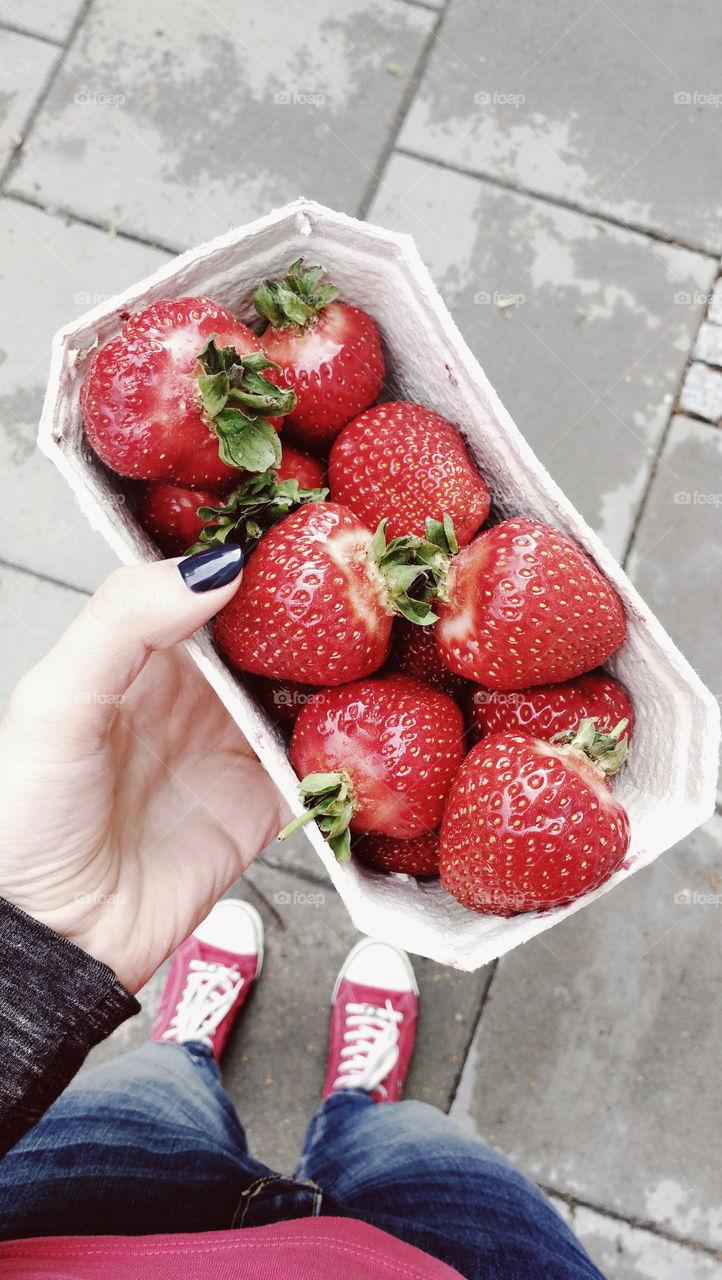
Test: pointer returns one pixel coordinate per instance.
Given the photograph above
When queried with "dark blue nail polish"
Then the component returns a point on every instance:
(213, 568)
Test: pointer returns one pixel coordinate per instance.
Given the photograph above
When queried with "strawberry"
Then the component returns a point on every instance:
(530, 825)
(163, 402)
(329, 352)
(418, 856)
(414, 652)
(318, 597)
(404, 463)
(548, 709)
(522, 605)
(376, 756)
(282, 699)
(170, 515)
(295, 465)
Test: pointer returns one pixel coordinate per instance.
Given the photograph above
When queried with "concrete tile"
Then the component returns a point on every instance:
(51, 18)
(276, 1059)
(589, 355)
(625, 1252)
(137, 129)
(595, 1065)
(533, 102)
(676, 560)
(715, 304)
(58, 270)
(26, 65)
(33, 615)
(702, 392)
(708, 346)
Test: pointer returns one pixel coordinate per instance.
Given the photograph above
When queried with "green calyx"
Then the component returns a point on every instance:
(330, 801)
(606, 752)
(296, 300)
(414, 569)
(238, 399)
(251, 509)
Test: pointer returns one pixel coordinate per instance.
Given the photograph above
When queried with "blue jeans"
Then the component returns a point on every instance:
(150, 1143)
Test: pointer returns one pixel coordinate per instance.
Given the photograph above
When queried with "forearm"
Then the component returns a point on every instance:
(56, 1003)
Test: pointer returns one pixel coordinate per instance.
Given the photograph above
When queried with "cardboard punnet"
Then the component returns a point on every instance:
(668, 785)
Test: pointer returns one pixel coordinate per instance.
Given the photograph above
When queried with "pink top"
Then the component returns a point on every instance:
(303, 1249)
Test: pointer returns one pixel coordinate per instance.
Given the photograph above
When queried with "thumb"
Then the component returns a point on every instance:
(74, 691)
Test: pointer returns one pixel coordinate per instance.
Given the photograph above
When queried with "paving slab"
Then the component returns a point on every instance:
(625, 1252)
(708, 346)
(583, 328)
(596, 1063)
(50, 18)
(613, 108)
(702, 391)
(180, 126)
(676, 560)
(59, 270)
(32, 616)
(26, 65)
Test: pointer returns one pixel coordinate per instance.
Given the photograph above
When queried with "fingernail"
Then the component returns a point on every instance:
(213, 568)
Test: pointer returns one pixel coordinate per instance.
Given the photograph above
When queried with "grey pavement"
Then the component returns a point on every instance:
(557, 167)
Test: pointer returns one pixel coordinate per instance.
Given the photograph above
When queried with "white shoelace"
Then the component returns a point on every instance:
(371, 1049)
(209, 993)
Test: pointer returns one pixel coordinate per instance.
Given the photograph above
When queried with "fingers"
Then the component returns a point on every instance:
(74, 691)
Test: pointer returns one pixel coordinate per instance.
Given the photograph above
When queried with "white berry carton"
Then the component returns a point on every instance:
(668, 785)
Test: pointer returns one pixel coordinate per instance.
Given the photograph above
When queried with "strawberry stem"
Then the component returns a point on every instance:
(605, 751)
(251, 509)
(238, 399)
(297, 299)
(414, 569)
(329, 799)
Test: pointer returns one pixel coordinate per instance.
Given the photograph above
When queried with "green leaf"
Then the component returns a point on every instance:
(414, 569)
(246, 442)
(297, 299)
(329, 799)
(251, 509)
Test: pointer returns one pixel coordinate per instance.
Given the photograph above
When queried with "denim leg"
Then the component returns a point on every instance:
(405, 1167)
(146, 1143)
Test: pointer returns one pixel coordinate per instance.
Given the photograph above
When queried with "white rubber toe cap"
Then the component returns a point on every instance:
(378, 964)
(235, 926)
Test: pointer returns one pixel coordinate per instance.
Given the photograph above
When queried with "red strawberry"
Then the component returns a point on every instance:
(318, 596)
(282, 699)
(330, 353)
(295, 465)
(170, 515)
(418, 856)
(531, 825)
(163, 402)
(414, 652)
(525, 606)
(548, 709)
(376, 756)
(404, 463)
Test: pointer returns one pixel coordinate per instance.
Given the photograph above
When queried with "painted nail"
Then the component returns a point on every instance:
(213, 568)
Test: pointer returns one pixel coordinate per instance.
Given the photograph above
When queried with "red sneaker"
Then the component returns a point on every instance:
(373, 1022)
(210, 977)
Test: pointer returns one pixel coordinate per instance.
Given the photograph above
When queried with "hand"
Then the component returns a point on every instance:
(129, 799)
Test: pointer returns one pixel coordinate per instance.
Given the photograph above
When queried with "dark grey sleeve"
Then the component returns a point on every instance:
(56, 1002)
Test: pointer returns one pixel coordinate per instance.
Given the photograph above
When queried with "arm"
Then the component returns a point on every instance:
(129, 802)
